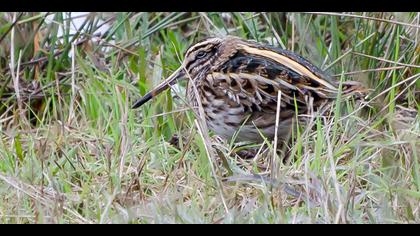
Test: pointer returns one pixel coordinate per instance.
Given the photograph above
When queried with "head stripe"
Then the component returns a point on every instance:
(202, 44)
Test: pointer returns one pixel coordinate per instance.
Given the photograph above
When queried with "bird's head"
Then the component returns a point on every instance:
(199, 58)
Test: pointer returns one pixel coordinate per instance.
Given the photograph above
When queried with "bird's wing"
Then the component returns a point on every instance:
(254, 81)
(254, 84)
(257, 80)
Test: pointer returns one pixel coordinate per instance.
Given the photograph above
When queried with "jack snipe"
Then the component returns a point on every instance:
(238, 83)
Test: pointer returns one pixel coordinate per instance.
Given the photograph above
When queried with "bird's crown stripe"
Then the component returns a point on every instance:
(205, 43)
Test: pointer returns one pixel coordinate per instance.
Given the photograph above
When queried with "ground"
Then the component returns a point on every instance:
(72, 150)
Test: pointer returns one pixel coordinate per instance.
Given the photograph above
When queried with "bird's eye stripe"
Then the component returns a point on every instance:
(201, 54)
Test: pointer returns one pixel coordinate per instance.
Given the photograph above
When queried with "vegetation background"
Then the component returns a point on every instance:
(72, 150)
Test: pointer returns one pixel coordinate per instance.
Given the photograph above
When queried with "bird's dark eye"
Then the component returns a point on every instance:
(200, 54)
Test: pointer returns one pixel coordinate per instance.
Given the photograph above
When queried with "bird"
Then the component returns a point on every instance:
(237, 82)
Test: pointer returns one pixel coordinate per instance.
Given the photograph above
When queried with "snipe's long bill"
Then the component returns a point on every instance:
(171, 80)
(238, 82)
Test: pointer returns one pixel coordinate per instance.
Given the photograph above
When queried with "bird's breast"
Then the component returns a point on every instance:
(222, 113)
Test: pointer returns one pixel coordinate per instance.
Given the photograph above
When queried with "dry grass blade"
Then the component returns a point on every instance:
(365, 18)
(40, 196)
(385, 60)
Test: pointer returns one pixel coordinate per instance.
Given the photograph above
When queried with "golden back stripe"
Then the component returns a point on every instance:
(287, 62)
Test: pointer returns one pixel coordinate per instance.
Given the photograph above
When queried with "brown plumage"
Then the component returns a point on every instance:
(238, 83)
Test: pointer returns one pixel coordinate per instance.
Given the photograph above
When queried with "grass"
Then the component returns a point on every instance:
(72, 150)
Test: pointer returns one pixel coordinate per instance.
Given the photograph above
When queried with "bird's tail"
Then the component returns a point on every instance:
(353, 88)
